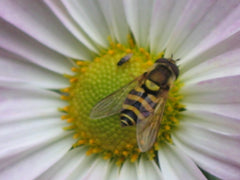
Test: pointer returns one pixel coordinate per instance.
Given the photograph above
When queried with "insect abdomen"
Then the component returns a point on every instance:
(138, 105)
(128, 118)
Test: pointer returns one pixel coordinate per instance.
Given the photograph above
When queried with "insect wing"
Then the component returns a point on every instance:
(147, 129)
(112, 104)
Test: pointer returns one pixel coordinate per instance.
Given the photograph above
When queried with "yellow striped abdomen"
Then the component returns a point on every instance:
(138, 105)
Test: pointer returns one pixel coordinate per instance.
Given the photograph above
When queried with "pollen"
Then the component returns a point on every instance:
(89, 152)
(119, 46)
(111, 52)
(142, 50)
(83, 70)
(66, 108)
(73, 79)
(75, 136)
(91, 141)
(107, 156)
(149, 63)
(80, 142)
(94, 80)
(65, 90)
(74, 69)
(63, 97)
(128, 51)
(116, 151)
(125, 153)
(97, 59)
(81, 63)
(167, 127)
(134, 157)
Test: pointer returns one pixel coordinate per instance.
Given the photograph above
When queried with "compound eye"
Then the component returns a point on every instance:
(151, 85)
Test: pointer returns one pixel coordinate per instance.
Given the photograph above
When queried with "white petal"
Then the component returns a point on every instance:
(20, 129)
(226, 64)
(112, 171)
(148, 170)
(115, 16)
(229, 44)
(139, 14)
(128, 171)
(229, 110)
(98, 171)
(164, 18)
(216, 153)
(65, 166)
(85, 167)
(34, 163)
(23, 103)
(89, 17)
(76, 165)
(22, 45)
(13, 68)
(193, 13)
(217, 33)
(60, 11)
(20, 138)
(211, 121)
(220, 90)
(35, 19)
(175, 165)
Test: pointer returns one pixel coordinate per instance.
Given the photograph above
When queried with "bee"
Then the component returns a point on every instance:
(124, 59)
(141, 102)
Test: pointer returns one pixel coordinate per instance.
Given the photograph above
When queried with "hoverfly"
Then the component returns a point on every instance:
(141, 102)
(124, 59)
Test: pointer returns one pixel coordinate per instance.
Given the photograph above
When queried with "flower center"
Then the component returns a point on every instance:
(95, 80)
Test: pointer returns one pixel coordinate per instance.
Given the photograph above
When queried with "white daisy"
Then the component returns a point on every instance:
(68, 49)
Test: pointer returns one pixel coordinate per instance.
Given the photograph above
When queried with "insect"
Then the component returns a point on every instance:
(141, 102)
(124, 59)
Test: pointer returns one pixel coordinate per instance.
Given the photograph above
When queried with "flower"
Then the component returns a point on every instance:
(40, 41)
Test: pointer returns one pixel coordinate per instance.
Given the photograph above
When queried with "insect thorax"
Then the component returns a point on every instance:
(158, 79)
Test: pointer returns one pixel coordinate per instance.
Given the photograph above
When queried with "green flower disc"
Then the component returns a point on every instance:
(93, 81)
